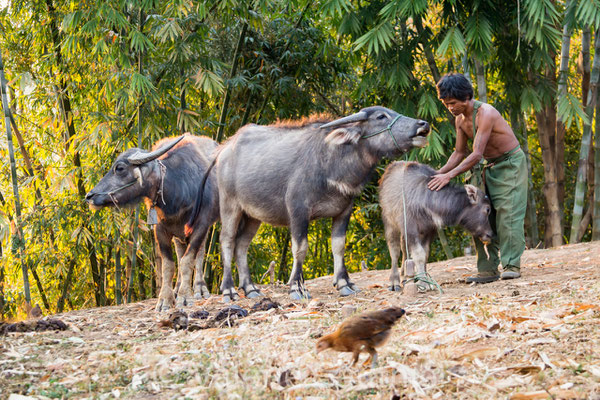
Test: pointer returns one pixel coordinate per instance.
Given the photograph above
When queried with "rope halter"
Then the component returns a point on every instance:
(389, 130)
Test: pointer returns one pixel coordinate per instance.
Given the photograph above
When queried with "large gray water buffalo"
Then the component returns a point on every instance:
(426, 211)
(168, 178)
(291, 173)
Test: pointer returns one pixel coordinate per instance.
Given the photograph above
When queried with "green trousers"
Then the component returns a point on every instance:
(506, 186)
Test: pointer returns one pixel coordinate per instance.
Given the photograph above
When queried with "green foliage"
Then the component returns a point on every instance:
(569, 109)
(453, 44)
(380, 37)
(170, 62)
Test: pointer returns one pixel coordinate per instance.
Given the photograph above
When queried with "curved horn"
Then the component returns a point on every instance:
(140, 157)
(359, 116)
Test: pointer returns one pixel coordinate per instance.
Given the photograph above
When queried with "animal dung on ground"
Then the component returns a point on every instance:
(363, 332)
(231, 312)
(199, 314)
(49, 324)
(265, 304)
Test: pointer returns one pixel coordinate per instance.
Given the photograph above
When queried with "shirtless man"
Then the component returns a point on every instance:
(505, 175)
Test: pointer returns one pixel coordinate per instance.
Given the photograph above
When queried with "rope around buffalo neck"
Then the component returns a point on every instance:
(386, 129)
(162, 172)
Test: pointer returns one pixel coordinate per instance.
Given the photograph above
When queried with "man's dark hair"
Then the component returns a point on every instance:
(455, 86)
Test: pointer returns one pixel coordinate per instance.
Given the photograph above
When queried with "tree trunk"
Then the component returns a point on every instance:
(141, 281)
(481, 84)
(596, 197)
(2, 299)
(65, 289)
(234, 64)
(283, 269)
(584, 63)
(585, 221)
(562, 90)
(546, 120)
(118, 288)
(580, 187)
(210, 255)
(40, 287)
(19, 239)
(531, 215)
(136, 225)
(133, 256)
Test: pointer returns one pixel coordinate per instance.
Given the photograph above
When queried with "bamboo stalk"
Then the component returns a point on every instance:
(596, 204)
(136, 223)
(226, 98)
(118, 268)
(580, 186)
(13, 173)
(65, 289)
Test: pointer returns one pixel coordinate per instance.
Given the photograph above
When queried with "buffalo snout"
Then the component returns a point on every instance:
(423, 128)
(486, 238)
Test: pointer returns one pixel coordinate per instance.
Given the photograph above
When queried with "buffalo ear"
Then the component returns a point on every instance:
(345, 135)
(471, 193)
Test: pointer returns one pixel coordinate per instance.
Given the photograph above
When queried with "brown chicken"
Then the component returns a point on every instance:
(363, 332)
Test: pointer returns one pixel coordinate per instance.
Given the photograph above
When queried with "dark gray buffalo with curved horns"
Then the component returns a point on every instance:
(291, 173)
(168, 179)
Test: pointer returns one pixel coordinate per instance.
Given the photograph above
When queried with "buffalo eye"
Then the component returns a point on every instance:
(381, 116)
(119, 168)
(487, 210)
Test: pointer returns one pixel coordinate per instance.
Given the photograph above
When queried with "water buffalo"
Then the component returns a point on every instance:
(291, 173)
(168, 178)
(426, 211)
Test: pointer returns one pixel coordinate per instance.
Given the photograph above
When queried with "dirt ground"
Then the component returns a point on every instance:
(537, 337)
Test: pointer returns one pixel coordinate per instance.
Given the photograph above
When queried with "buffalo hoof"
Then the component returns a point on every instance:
(230, 295)
(395, 288)
(300, 295)
(201, 293)
(347, 290)
(254, 293)
(164, 305)
(184, 300)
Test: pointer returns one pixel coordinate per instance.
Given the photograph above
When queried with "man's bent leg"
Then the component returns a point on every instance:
(508, 189)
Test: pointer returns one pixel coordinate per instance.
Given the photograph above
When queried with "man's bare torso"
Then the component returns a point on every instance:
(501, 138)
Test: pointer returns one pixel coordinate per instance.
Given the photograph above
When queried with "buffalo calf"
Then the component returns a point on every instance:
(403, 192)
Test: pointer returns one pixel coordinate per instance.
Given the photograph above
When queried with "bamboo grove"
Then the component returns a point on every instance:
(87, 80)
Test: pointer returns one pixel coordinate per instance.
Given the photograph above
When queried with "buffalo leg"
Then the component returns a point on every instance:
(166, 297)
(197, 247)
(299, 231)
(420, 257)
(157, 262)
(200, 286)
(341, 280)
(230, 220)
(180, 248)
(246, 232)
(394, 241)
(193, 257)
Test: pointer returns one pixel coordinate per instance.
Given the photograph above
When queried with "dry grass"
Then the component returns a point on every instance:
(533, 338)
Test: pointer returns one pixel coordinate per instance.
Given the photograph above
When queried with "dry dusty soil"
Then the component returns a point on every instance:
(537, 337)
